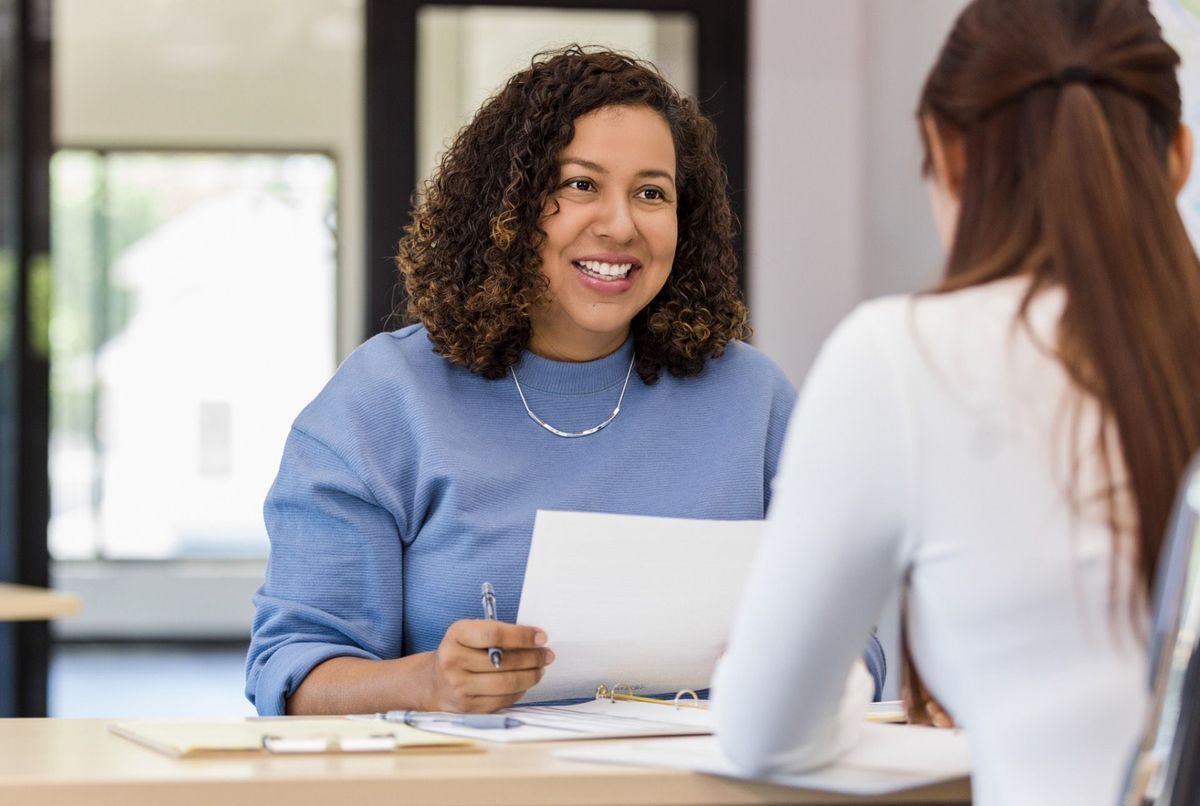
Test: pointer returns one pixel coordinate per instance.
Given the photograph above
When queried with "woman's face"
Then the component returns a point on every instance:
(611, 242)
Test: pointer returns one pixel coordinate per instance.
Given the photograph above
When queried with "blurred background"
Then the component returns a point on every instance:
(198, 199)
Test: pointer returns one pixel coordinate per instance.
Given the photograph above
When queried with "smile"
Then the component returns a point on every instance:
(605, 271)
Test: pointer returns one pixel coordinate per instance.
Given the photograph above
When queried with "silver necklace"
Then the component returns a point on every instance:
(571, 434)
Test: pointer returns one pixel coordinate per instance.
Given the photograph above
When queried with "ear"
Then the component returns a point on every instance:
(947, 158)
(1179, 157)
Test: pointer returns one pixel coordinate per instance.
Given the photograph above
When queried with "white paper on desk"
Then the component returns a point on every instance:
(887, 758)
(633, 600)
(594, 719)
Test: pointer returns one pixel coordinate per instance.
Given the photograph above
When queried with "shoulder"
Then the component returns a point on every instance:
(967, 326)
(746, 367)
(862, 335)
(389, 363)
(892, 323)
(976, 313)
(377, 383)
(408, 348)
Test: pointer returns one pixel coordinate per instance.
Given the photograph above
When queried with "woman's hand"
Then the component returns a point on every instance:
(937, 716)
(463, 678)
(923, 709)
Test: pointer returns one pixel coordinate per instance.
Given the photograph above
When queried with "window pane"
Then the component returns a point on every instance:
(193, 317)
(465, 53)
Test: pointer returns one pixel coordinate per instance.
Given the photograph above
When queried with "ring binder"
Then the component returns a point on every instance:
(684, 693)
(612, 693)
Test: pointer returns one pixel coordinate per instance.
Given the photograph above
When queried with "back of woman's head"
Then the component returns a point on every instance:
(470, 258)
(1066, 111)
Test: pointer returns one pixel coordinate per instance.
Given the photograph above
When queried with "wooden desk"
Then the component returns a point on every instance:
(73, 762)
(27, 603)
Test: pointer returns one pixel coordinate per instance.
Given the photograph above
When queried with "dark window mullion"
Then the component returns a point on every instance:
(24, 368)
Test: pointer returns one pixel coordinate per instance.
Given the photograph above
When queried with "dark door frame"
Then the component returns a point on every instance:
(24, 365)
(391, 107)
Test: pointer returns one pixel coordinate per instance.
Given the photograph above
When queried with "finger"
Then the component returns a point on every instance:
(939, 718)
(486, 705)
(512, 661)
(481, 634)
(501, 684)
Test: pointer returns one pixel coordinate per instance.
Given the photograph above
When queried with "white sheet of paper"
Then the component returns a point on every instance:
(887, 758)
(595, 719)
(632, 600)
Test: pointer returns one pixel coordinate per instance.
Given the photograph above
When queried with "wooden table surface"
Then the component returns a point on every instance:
(27, 603)
(73, 762)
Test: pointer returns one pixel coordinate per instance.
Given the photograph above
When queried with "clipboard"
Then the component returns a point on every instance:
(192, 739)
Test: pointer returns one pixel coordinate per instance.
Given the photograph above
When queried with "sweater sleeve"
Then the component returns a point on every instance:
(833, 549)
(334, 578)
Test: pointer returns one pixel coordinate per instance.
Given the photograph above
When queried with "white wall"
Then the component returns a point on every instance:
(806, 135)
(901, 249)
(837, 209)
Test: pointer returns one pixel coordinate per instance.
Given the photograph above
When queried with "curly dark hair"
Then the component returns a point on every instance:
(470, 257)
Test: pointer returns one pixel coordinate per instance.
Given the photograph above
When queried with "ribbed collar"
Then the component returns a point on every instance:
(571, 378)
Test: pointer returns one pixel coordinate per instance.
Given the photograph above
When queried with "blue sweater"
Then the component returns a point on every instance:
(409, 480)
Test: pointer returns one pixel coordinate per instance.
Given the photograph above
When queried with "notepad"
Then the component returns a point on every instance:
(637, 600)
(300, 735)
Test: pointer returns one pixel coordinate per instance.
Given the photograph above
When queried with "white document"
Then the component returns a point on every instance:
(595, 719)
(612, 719)
(631, 600)
(887, 758)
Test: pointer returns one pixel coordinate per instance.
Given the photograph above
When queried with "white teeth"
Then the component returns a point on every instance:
(605, 269)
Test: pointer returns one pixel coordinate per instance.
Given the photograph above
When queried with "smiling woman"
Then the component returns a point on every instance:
(573, 244)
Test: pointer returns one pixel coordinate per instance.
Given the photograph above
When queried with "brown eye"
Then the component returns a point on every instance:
(579, 184)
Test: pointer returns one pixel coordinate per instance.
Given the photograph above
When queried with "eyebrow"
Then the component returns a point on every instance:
(596, 168)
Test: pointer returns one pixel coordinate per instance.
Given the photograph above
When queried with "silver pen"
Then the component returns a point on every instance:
(478, 721)
(495, 654)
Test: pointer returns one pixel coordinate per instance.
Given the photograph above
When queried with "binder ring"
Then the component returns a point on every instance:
(685, 693)
(604, 692)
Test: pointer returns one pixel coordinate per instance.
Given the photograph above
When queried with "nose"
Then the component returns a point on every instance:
(614, 219)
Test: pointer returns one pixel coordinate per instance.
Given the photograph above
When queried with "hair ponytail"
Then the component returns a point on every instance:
(1067, 112)
(1130, 331)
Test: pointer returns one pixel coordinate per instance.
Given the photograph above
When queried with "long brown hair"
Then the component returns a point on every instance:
(1066, 111)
